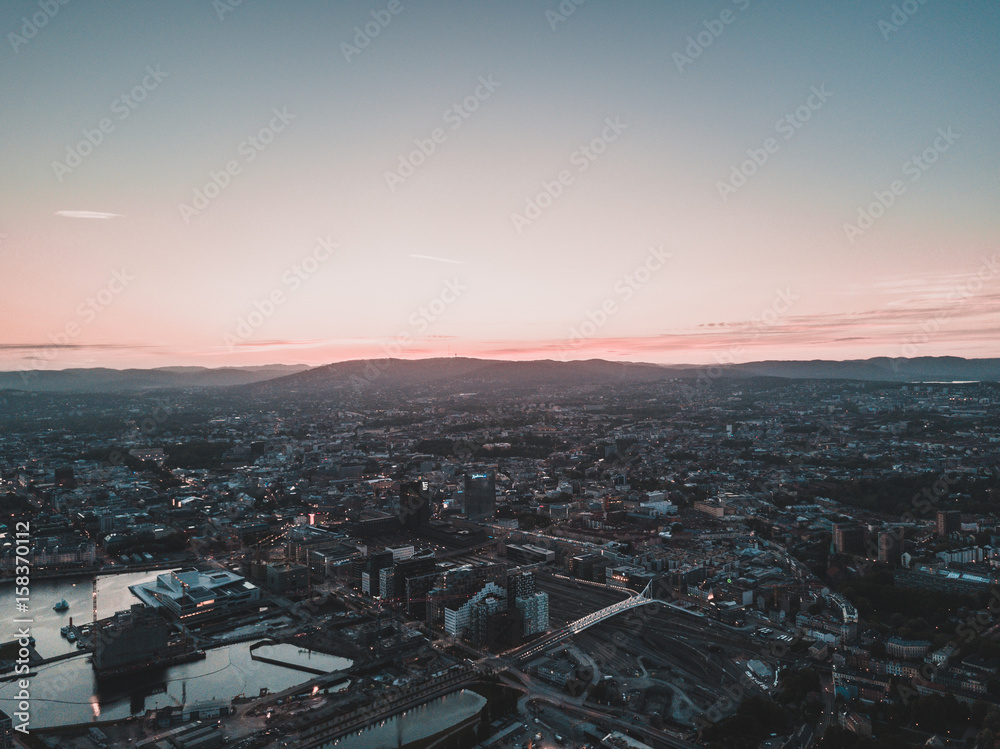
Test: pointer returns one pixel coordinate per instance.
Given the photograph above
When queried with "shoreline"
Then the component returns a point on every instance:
(98, 571)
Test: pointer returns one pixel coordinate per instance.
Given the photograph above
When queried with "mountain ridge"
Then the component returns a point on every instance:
(106, 379)
(463, 372)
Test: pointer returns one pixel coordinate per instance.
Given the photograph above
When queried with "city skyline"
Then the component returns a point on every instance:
(241, 184)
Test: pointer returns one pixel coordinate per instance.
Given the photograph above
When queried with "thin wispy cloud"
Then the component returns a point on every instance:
(438, 259)
(47, 346)
(87, 214)
(931, 286)
(277, 344)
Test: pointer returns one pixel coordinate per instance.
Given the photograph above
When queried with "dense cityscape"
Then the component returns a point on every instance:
(572, 374)
(714, 561)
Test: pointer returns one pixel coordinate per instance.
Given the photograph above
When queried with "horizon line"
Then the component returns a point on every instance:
(685, 365)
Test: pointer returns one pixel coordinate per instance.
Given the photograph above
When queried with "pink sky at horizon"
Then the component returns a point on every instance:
(443, 308)
(831, 340)
(310, 253)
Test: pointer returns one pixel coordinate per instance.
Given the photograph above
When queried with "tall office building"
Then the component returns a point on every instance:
(948, 522)
(847, 538)
(414, 503)
(890, 546)
(458, 616)
(480, 495)
(487, 621)
(129, 640)
(411, 568)
(371, 577)
(520, 585)
(535, 611)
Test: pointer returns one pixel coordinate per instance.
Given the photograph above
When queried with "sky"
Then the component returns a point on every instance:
(224, 183)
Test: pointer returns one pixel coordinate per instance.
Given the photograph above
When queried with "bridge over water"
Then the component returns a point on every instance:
(596, 617)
